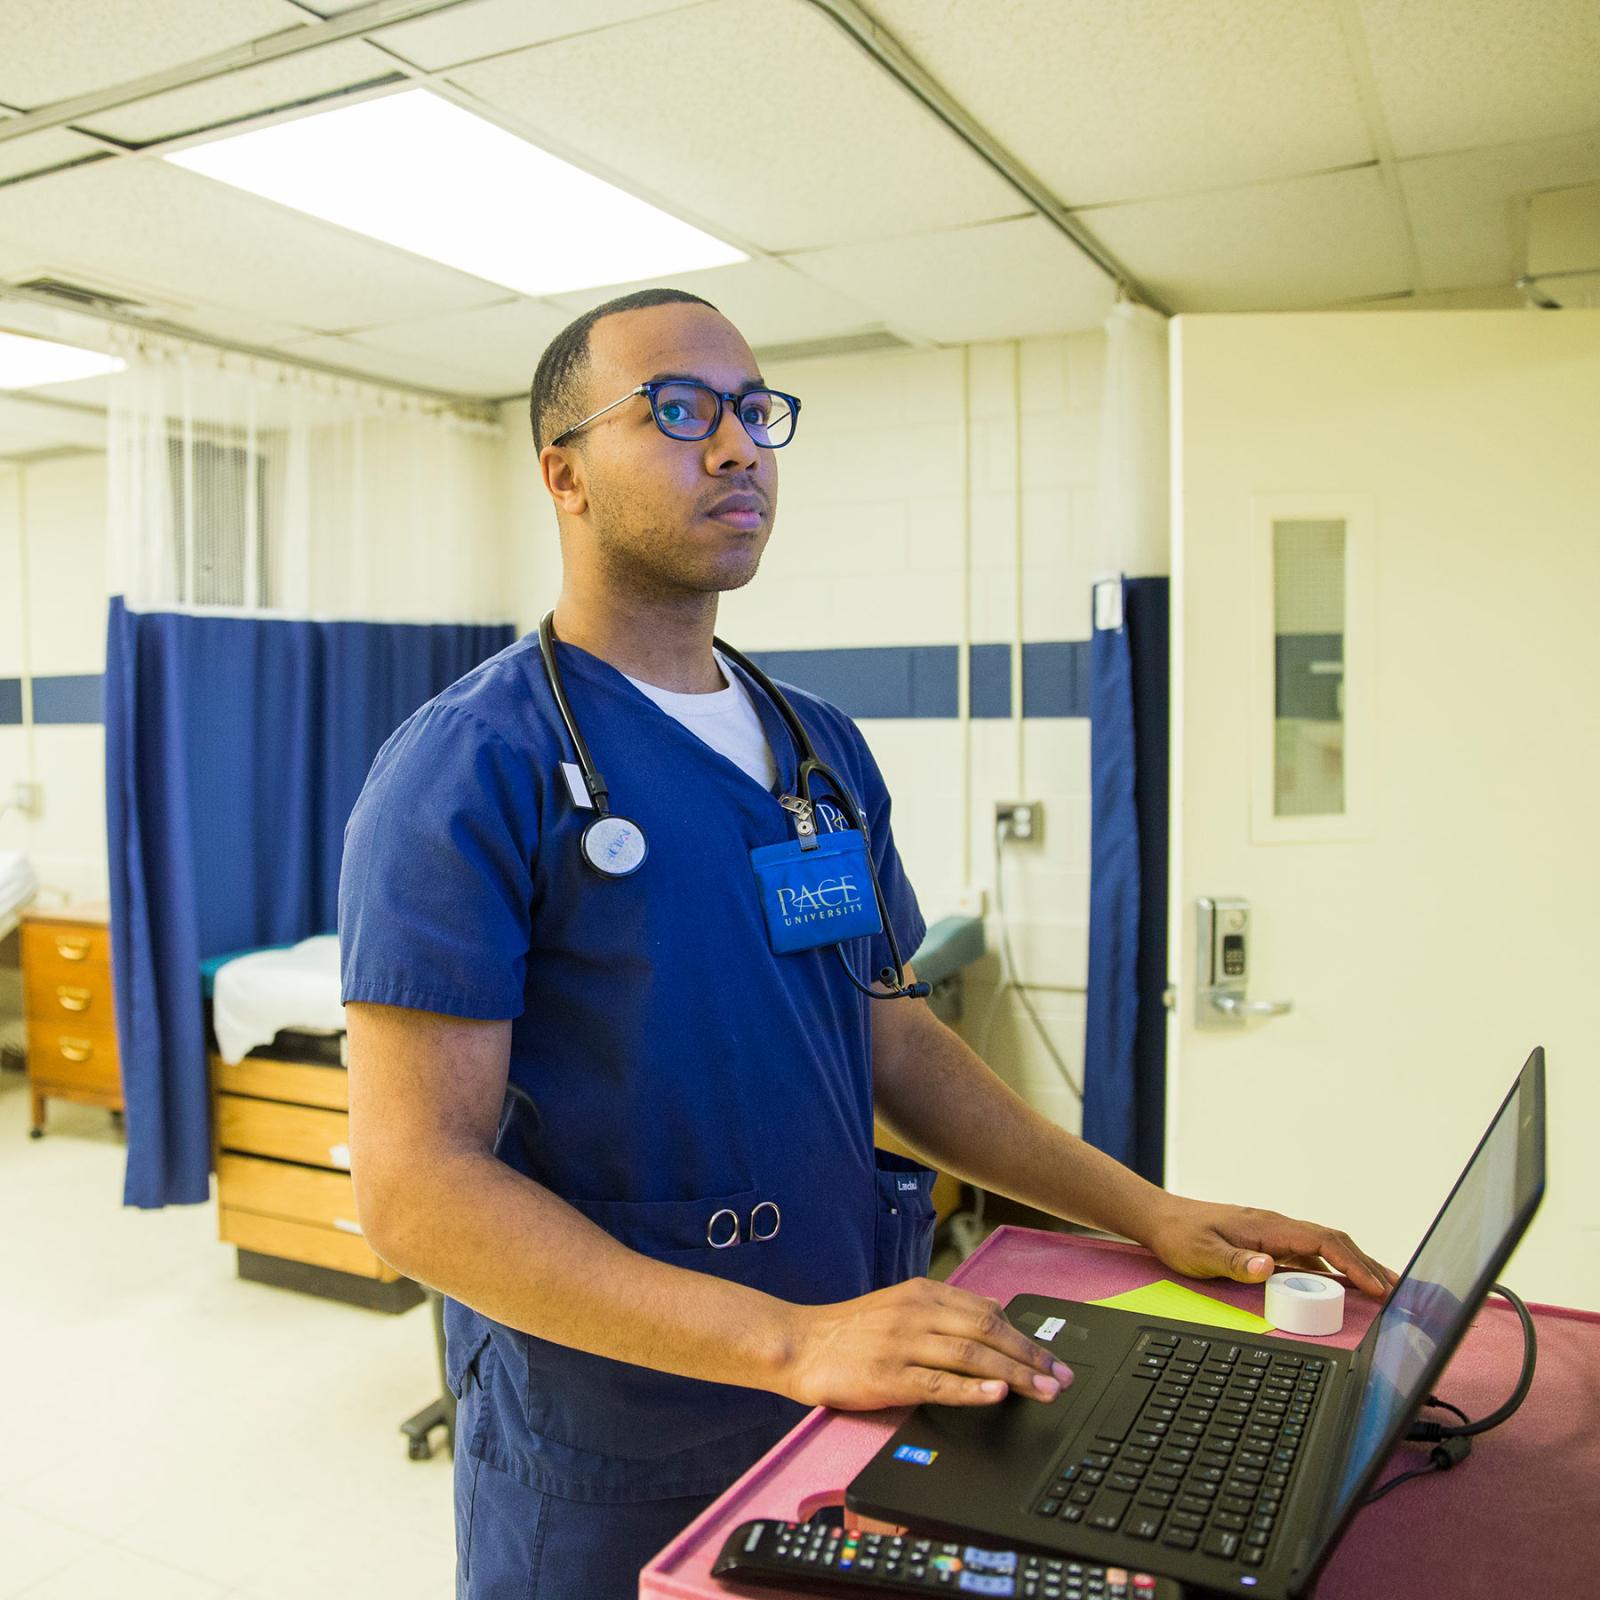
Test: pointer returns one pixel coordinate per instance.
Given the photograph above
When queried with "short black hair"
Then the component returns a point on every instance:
(556, 394)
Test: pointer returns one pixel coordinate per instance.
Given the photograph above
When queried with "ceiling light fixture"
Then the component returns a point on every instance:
(420, 173)
(29, 363)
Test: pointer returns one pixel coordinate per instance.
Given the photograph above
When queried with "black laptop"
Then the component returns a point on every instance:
(1231, 1463)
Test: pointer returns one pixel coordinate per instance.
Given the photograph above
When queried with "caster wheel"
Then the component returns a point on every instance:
(36, 1133)
(419, 1450)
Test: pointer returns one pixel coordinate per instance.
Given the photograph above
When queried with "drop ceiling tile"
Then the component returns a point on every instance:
(1454, 74)
(498, 345)
(57, 49)
(245, 93)
(197, 241)
(1469, 210)
(770, 302)
(36, 152)
(234, 326)
(455, 377)
(1145, 98)
(1270, 247)
(1004, 280)
(494, 27)
(755, 118)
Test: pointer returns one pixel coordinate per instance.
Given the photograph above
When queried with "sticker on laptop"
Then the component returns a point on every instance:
(1050, 1327)
(916, 1455)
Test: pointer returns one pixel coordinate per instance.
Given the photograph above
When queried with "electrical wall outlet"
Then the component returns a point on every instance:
(27, 798)
(1026, 818)
(973, 901)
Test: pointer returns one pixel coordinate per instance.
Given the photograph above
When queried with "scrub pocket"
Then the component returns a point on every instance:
(905, 1219)
(624, 1417)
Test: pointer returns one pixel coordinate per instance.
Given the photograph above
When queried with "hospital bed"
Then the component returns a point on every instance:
(18, 885)
(282, 1142)
(17, 889)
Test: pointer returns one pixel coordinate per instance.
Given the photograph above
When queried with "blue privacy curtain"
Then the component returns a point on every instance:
(235, 749)
(1124, 1074)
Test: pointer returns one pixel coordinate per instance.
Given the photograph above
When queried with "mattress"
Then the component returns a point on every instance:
(264, 995)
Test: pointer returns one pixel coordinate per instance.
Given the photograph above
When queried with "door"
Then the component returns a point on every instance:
(1386, 648)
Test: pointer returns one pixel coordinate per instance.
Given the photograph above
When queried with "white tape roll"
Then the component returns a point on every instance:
(1300, 1302)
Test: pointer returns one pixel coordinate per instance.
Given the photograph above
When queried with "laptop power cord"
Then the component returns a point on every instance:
(1452, 1441)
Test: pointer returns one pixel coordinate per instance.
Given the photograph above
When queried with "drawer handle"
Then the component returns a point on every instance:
(71, 949)
(75, 1049)
(73, 999)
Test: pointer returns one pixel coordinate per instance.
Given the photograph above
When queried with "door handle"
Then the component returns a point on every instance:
(72, 949)
(1230, 1005)
(73, 999)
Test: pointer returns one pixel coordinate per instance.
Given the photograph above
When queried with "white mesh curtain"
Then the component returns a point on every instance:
(240, 486)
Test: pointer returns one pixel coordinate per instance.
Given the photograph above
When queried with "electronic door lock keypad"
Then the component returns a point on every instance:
(1222, 960)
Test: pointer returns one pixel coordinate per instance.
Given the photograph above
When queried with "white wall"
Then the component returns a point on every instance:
(53, 623)
(897, 516)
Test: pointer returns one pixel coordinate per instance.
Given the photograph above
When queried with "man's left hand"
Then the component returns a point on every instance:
(1204, 1240)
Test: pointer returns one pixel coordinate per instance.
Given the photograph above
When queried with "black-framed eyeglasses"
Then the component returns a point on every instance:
(684, 409)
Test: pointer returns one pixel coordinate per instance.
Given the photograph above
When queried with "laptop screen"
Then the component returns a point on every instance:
(1449, 1275)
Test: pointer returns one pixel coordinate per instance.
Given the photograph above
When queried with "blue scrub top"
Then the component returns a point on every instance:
(665, 1063)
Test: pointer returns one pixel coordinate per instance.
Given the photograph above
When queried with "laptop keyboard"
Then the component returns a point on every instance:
(1197, 1450)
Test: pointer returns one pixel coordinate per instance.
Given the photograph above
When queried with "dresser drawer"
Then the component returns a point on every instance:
(62, 993)
(289, 1133)
(48, 948)
(300, 1241)
(286, 1189)
(70, 1056)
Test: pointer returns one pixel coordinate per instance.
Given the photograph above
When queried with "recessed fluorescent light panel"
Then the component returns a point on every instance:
(27, 363)
(418, 172)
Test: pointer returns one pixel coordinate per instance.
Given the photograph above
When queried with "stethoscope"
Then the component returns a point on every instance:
(615, 846)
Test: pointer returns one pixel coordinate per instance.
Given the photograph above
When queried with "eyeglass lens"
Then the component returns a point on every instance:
(690, 411)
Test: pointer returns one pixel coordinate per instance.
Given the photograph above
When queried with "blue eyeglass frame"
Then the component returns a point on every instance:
(654, 387)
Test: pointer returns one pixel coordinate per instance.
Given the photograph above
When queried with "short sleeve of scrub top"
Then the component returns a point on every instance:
(431, 928)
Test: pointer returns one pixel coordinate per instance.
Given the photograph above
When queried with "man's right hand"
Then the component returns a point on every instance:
(920, 1340)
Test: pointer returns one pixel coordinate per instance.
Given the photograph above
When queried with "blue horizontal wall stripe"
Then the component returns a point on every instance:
(991, 680)
(873, 681)
(1055, 678)
(921, 680)
(876, 681)
(67, 699)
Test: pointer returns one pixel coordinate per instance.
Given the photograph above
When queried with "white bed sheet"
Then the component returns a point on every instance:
(258, 994)
(18, 885)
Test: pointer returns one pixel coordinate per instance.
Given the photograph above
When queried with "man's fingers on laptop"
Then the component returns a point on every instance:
(948, 1388)
(975, 1317)
(973, 1359)
(1342, 1253)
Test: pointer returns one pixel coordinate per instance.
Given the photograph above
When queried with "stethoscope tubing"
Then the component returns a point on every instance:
(810, 765)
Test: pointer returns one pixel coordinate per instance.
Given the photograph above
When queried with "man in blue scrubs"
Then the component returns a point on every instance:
(631, 1143)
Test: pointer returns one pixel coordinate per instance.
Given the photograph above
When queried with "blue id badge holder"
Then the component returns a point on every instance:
(816, 890)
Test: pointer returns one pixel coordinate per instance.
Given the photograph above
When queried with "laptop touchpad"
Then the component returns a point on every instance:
(1015, 1423)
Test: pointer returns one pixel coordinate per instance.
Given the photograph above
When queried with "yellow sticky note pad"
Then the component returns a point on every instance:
(1167, 1299)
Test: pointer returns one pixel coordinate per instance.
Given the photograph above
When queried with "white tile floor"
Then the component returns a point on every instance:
(167, 1430)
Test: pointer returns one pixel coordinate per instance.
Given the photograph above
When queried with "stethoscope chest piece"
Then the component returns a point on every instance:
(614, 846)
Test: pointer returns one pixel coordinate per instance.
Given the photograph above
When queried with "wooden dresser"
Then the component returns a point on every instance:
(71, 1020)
(284, 1194)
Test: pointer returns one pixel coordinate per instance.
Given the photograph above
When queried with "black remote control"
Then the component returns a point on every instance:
(826, 1560)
